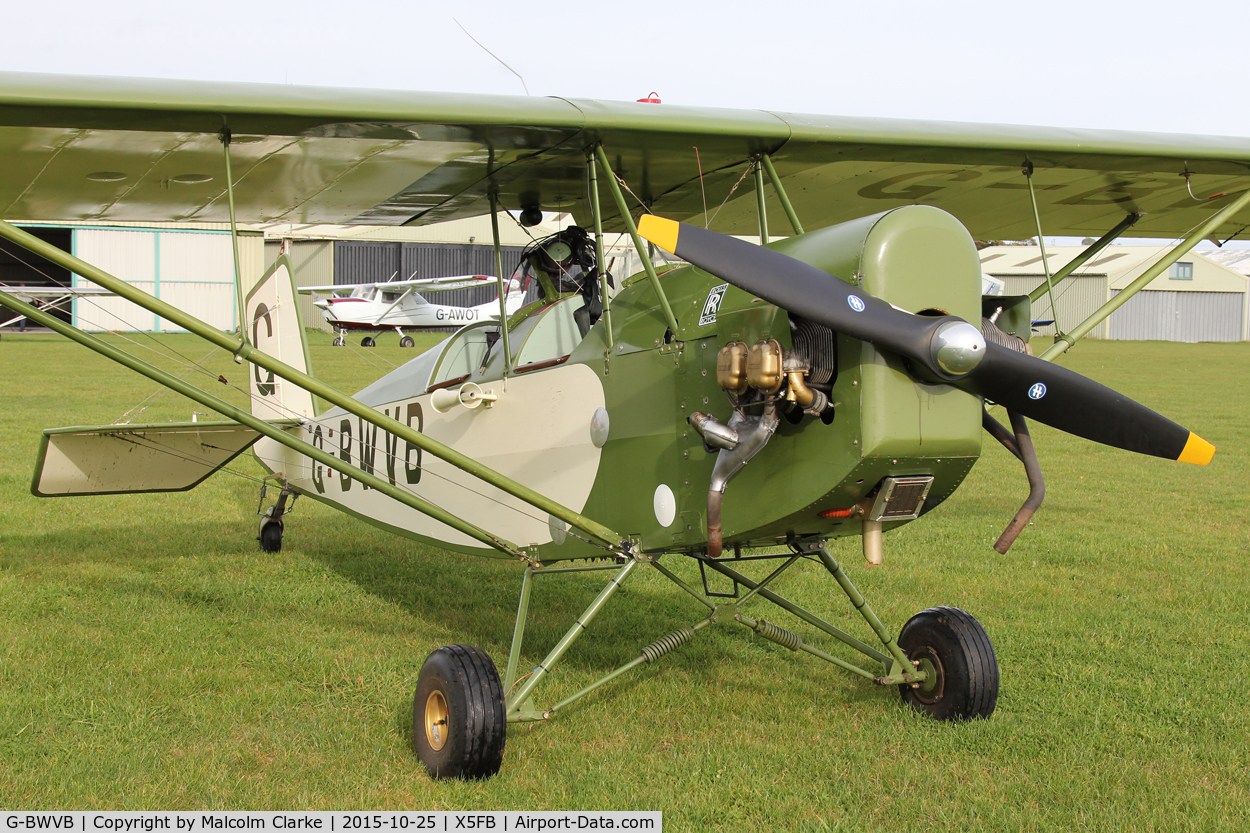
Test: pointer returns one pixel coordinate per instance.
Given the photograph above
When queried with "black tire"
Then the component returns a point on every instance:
(339, 342)
(407, 341)
(367, 341)
(459, 708)
(270, 536)
(951, 643)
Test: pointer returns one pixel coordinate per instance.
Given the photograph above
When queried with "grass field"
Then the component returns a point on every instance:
(151, 656)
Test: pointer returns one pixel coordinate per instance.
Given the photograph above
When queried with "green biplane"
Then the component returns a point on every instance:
(850, 364)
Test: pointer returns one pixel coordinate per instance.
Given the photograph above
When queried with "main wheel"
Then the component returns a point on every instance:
(367, 341)
(407, 341)
(953, 649)
(458, 720)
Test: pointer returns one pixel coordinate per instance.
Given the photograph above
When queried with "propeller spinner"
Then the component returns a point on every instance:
(943, 349)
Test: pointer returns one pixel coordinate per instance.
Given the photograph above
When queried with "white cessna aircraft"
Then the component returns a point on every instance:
(396, 305)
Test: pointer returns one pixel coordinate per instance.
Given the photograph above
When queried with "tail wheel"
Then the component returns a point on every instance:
(952, 648)
(367, 341)
(458, 719)
(270, 536)
(407, 341)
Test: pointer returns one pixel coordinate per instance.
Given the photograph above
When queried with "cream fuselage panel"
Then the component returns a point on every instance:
(537, 433)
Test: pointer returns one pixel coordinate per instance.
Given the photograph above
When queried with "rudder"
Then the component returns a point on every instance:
(276, 329)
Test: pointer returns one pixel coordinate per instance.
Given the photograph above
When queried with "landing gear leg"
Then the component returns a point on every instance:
(340, 338)
(271, 524)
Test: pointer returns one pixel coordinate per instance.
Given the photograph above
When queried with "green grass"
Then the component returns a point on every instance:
(152, 657)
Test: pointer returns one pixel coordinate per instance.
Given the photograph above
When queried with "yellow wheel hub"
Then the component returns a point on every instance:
(436, 720)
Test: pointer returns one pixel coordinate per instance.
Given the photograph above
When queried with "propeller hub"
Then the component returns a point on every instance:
(958, 347)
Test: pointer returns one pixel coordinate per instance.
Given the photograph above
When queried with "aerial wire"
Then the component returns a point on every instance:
(493, 55)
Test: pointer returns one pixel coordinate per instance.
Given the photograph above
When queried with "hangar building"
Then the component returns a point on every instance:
(188, 265)
(1197, 299)
(191, 265)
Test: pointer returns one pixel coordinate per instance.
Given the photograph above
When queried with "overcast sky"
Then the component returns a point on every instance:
(1173, 67)
(1179, 66)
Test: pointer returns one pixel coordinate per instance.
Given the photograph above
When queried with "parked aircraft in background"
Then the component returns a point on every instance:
(398, 306)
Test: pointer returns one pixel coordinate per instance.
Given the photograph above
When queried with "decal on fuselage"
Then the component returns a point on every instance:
(455, 314)
(545, 417)
(711, 307)
(357, 444)
(264, 387)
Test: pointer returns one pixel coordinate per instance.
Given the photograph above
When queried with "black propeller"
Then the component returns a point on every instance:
(942, 349)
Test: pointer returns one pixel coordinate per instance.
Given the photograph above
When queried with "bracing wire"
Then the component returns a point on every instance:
(353, 457)
(354, 460)
(750, 167)
(190, 366)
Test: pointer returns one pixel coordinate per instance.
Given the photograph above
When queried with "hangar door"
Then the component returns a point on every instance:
(192, 270)
(361, 261)
(1167, 315)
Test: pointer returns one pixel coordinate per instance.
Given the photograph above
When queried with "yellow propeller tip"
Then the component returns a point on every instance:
(660, 231)
(1197, 451)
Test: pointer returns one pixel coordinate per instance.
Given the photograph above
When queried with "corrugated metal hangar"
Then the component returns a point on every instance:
(189, 266)
(1197, 299)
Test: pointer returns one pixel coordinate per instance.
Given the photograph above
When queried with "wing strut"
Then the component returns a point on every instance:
(276, 433)
(398, 301)
(592, 174)
(1041, 242)
(234, 239)
(781, 193)
(1080, 260)
(503, 295)
(759, 202)
(1203, 231)
(244, 352)
(628, 220)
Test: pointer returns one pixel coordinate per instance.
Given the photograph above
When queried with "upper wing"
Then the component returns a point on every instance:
(131, 149)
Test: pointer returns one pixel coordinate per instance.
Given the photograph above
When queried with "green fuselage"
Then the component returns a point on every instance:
(884, 423)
